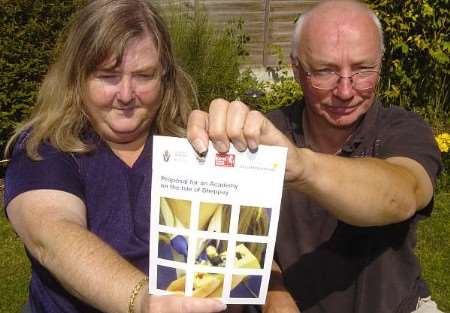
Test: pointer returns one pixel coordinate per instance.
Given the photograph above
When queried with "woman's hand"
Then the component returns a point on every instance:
(180, 304)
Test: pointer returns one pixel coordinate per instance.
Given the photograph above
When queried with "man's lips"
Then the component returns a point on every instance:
(341, 110)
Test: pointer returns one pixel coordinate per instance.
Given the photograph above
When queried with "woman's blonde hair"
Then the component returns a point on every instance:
(97, 32)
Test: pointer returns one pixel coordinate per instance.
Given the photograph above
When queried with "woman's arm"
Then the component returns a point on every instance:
(52, 225)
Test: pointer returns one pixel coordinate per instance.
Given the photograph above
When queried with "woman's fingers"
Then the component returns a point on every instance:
(181, 304)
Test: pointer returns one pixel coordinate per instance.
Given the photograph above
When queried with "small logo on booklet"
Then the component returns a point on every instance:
(225, 159)
(166, 156)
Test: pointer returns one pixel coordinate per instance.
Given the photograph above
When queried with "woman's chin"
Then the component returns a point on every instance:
(123, 135)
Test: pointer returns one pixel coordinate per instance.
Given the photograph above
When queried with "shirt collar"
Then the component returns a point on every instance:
(365, 126)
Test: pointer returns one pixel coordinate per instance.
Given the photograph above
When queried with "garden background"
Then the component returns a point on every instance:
(415, 75)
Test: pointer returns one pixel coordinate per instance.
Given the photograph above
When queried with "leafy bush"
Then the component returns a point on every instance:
(416, 71)
(29, 32)
(210, 55)
(267, 96)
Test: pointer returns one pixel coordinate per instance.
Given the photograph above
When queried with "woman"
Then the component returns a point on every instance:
(77, 186)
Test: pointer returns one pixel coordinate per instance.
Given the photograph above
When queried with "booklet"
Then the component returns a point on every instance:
(213, 221)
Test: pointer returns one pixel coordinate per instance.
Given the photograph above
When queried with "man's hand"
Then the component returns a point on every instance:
(397, 188)
(233, 122)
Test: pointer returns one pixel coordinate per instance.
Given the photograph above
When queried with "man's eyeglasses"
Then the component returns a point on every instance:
(329, 80)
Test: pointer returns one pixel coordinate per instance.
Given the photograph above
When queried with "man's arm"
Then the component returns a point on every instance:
(278, 297)
(52, 225)
(362, 192)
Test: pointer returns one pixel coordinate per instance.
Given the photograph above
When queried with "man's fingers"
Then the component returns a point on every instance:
(197, 131)
(217, 131)
(232, 122)
(236, 119)
(252, 129)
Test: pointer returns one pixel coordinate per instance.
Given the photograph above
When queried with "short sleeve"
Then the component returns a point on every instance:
(56, 170)
(406, 134)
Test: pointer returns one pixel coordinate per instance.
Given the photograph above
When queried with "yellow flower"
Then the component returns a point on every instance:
(443, 142)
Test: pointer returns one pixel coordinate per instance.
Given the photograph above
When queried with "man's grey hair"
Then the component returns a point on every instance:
(303, 17)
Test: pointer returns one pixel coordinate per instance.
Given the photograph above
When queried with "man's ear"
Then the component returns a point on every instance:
(294, 65)
(296, 73)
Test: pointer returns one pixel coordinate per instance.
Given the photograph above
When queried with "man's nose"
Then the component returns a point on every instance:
(126, 90)
(344, 89)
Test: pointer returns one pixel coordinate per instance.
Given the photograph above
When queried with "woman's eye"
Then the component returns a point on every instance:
(145, 76)
(108, 77)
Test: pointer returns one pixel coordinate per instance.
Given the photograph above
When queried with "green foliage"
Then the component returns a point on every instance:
(267, 96)
(29, 32)
(210, 55)
(416, 71)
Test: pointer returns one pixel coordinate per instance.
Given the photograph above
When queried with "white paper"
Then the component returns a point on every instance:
(214, 220)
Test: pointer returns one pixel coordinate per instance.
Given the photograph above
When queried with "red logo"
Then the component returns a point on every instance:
(225, 159)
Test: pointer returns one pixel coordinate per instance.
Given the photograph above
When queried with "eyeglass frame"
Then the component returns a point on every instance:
(309, 74)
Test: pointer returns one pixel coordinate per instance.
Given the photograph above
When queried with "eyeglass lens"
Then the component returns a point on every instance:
(330, 80)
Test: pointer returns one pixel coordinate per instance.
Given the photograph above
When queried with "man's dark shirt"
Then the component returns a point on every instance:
(333, 267)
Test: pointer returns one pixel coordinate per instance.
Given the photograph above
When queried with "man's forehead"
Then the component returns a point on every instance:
(340, 36)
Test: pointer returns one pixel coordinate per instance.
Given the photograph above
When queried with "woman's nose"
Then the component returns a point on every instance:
(126, 91)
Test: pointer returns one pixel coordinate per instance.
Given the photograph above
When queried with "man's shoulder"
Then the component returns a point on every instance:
(393, 114)
(284, 117)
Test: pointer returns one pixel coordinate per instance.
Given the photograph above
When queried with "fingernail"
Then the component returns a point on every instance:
(221, 306)
(221, 146)
(240, 146)
(252, 146)
(200, 147)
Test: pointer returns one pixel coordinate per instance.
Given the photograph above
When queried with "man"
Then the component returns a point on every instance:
(359, 176)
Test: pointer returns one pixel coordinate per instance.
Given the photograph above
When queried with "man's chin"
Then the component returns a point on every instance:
(344, 122)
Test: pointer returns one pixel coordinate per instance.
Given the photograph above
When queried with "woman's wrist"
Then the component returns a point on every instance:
(137, 298)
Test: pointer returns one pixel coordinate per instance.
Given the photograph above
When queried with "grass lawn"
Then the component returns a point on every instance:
(433, 249)
(14, 270)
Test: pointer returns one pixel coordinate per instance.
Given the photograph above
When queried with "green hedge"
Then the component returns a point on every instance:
(416, 72)
(29, 32)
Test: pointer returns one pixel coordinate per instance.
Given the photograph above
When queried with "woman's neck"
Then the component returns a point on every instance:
(129, 152)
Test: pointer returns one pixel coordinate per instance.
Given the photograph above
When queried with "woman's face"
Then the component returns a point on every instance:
(122, 101)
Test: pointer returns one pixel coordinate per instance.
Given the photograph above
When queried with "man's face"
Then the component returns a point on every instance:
(345, 46)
